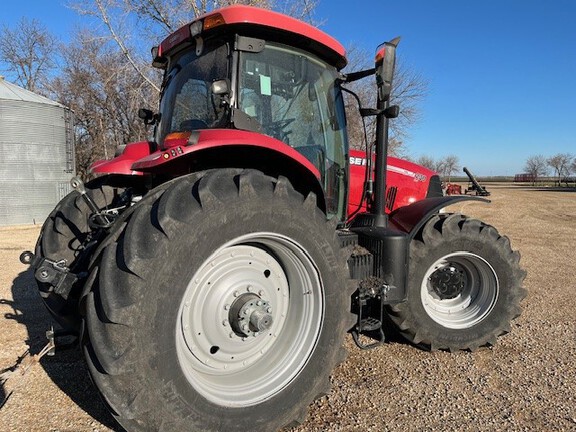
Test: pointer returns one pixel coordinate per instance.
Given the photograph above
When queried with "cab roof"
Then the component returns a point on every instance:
(265, 24)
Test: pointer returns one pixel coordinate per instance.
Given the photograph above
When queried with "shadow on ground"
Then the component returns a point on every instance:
(66, 369)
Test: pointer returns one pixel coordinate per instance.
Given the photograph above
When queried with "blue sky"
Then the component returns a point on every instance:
(501, 73)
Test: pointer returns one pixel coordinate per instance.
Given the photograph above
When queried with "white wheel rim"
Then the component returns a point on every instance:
(475, 300)
(260, 273)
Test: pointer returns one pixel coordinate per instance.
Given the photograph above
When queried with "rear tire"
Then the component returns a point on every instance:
(464, 288)
(222, 306)
(65, 236)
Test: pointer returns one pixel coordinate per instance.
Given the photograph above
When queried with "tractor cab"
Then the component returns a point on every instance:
(222, 73)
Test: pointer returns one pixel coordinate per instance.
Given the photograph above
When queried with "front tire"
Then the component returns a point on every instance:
(222, 306)
(464, 288)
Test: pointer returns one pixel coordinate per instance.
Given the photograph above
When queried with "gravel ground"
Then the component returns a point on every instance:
(527, 382)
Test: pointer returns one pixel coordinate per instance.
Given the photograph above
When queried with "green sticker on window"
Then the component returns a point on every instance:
(265, 85)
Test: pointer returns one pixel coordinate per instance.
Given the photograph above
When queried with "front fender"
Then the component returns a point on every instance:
(413, 217)
(122, 163)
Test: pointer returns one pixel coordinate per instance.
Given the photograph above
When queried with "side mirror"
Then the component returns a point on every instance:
(158, 61)
(220, 90)
(220, 87)
(385, 62)
(148, 116)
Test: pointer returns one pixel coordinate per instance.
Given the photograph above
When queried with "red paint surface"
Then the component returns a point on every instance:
(411, 180)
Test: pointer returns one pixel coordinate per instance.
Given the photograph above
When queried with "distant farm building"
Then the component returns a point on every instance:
(36, 155)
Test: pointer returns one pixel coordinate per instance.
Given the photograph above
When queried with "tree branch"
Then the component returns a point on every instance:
(106, 19)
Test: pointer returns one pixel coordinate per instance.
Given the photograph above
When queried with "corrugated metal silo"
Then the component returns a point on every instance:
(36, 155)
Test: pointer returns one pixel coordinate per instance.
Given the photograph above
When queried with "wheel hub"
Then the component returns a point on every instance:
(250, 315)
(448, 282)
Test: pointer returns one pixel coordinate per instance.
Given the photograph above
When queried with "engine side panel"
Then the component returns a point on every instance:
(407, 182)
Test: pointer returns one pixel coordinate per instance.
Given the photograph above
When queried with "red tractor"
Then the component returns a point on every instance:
(212, 273)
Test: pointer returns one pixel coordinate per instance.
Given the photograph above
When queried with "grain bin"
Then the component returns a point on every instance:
(36, 155)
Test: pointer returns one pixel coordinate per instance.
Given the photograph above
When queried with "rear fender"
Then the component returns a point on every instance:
(413, 217)
(183, 153)
(271, 162)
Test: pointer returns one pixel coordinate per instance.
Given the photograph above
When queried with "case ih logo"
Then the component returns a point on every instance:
(358, 161)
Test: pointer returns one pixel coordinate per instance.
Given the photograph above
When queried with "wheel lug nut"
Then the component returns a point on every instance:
(227, 307)
(231, 335)
(249, 288)
(225, 323)
(269, 310)
(259, 303)
(236, 293)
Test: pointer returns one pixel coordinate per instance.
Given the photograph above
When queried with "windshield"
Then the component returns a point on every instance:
(295, 98)
(187, 103)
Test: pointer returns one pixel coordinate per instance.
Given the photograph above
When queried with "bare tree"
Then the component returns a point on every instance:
(427, 162)
(536, 166)
(571, 169)
(450, 165)
(444, 166)
(104, 92)
(302, 9)
(28, 52)
(560, 163)
(409, 89)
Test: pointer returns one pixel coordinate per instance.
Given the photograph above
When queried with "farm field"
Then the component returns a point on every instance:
(527, 382)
